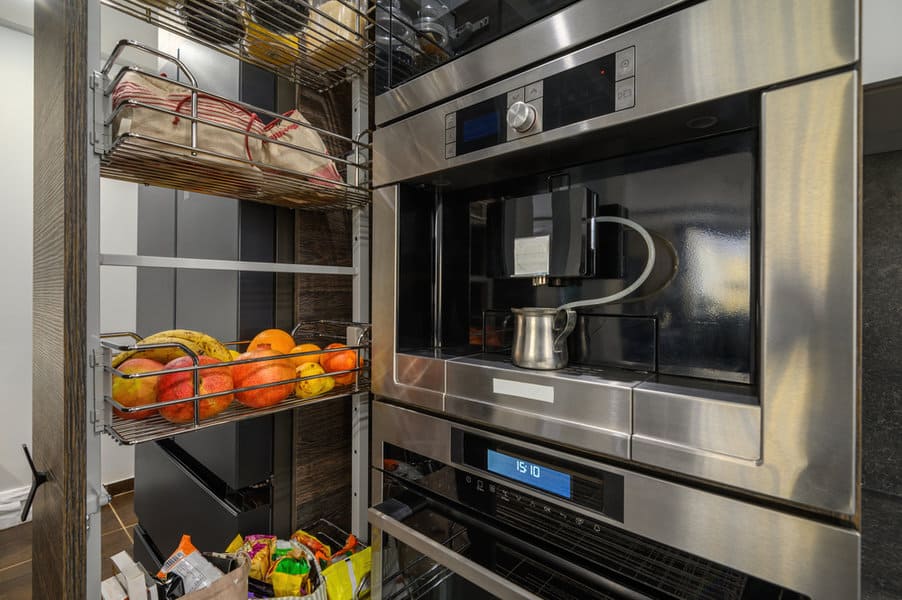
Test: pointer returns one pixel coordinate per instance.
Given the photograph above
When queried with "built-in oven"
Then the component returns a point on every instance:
(727, 132)
(429, 50)
(462, 512)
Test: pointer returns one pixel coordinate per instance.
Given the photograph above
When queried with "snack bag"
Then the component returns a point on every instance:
(235, 545)
(290, 576)
(344, 577)
(322, 552)
(190, 565)
(259, 549)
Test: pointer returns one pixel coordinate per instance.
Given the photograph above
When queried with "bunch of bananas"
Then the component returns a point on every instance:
(196, 341)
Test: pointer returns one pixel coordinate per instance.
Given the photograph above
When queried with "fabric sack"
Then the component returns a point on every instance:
(172, 96)
(292, 159)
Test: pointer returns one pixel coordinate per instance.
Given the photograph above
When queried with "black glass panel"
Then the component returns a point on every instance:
(580, 93)
(428, 33)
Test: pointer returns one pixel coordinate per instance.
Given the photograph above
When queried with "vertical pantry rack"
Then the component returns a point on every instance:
(163, 129)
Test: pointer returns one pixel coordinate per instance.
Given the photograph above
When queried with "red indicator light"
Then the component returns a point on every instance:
(603, 71)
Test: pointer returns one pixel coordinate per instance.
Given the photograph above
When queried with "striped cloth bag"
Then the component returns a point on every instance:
(313, 161)
(172, 134)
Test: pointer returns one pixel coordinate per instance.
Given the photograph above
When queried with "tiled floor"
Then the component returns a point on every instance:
(117, 521)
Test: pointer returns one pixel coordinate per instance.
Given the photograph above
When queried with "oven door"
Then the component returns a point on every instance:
(427, 548)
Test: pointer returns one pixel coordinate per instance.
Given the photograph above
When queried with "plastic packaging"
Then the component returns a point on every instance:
(195, 571)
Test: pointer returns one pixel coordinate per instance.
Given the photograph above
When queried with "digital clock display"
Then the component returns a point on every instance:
(530, 473)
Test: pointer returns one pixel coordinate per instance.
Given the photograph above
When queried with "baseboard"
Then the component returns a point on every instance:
(120, 487)
(11, 506)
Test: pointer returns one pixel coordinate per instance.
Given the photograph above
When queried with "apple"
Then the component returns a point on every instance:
(264, 371)
(173, 386)
(136, 392)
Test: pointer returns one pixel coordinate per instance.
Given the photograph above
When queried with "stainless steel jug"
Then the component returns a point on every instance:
(540, 337)
(540, 334)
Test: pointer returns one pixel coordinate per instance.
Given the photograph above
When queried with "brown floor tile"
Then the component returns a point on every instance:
(15, 582)
(15, 544)
(110, 544)
(108, 521)
(125, 508)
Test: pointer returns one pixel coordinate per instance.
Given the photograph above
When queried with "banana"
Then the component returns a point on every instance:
(162, 355)
(207, 343)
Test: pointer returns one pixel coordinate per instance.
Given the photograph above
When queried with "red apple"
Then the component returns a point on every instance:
(136, 392)
(174, 386)
(264, 371)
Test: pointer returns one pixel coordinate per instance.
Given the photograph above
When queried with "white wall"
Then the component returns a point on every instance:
(118, 295)
(119, 207)
(881, 44)
(16, 269)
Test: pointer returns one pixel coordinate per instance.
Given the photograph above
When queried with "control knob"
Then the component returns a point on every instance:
(521, 116)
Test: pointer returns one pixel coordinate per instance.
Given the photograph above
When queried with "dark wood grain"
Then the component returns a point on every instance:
(323, 463)
(15, 545)
(323, 238)
(59, 361)
(15, 582)
(121, 487)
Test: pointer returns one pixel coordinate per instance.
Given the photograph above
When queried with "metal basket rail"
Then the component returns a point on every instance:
(291, 38)
(418, 577)
(191, 166)
(670, 572)
(154, 426)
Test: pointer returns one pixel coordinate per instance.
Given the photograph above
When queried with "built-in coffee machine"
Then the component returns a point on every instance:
(642, 252)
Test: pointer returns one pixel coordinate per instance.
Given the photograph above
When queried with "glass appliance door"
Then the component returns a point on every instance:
(413, 36)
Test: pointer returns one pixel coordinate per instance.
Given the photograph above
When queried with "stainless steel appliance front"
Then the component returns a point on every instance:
(518, 42)
(781, 419)
(446, 495)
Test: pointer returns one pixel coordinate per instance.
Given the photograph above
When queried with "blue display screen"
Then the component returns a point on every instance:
(538, 476)
(480, 127)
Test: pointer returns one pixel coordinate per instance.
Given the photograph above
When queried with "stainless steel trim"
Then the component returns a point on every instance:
(178, 262)
(710, 50)
(808, 556)
(384, 285)
(810, 387)
(420, 371)
(566, 29)
(723, 420)
(477, 574)
(577, 409)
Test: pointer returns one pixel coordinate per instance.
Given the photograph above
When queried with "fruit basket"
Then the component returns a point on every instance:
(153, 130)
(315, 45)
(145, 399)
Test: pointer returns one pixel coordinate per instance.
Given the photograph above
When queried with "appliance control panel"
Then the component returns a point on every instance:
(592, 89)
(593, 489)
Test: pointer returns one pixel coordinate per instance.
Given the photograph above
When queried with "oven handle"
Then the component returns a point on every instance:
(387, 520)
(477, 574)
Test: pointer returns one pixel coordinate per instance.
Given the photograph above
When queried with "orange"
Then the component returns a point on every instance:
(340, 361)
(310, 358)
(280, 341)
(326, 357)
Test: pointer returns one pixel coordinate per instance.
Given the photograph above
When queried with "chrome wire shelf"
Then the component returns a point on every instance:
(130, 431)
(131, 158)
(195, 144)
(318, 47)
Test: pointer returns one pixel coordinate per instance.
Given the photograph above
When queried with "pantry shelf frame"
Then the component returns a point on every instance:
(88, 83)
(210, 264)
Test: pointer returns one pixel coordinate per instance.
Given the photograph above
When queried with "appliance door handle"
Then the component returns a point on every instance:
(489, 581)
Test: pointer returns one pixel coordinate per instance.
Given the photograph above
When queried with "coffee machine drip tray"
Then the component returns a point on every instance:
(659, 420)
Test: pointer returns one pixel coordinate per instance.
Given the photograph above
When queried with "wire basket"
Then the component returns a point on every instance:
(191, 147)
(141, 423)
(318, 47)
